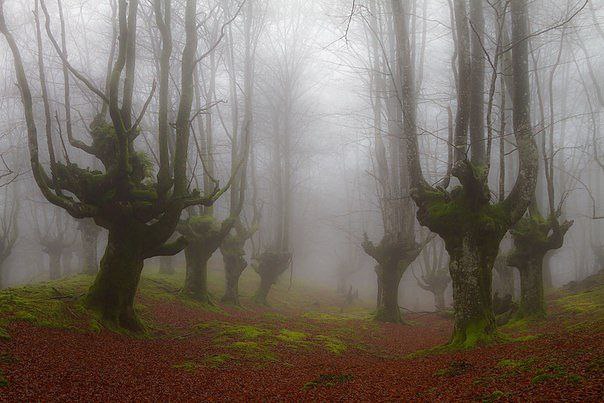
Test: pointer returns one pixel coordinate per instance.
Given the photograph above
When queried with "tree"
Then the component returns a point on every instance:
(139, 212)
(89, 234)
(9, 229)
(470, 225)
(398, 248)
(53, 235)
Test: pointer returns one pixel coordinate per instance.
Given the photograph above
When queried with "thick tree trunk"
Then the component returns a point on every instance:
(166, 265)
(470, 268)
(54, 265)
(196, 279)
(389, 278)
(532, 303)
(233, 267)
(112, 293)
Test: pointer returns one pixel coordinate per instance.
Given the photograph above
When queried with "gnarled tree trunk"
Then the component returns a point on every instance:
(112, 293)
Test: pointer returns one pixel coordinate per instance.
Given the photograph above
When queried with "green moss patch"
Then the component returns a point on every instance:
(332, 344)
(291, 336)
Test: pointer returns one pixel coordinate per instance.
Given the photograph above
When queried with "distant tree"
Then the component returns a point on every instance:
(54, 233)
(9, 228)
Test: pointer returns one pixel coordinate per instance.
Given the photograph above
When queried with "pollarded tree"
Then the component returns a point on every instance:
(470, 225)
(233, 245)
(534, 236)
(204, 235)
(398, 248)
(140, 213)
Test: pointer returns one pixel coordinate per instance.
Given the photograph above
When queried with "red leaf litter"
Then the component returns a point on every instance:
(42, 364)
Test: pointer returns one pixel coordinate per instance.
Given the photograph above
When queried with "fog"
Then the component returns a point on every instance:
(311, 72)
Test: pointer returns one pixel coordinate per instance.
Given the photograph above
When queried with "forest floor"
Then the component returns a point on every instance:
(307, 346)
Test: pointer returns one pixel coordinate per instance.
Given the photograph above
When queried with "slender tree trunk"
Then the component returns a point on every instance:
(548, 281)
(470, 270)
(166, 265)
(196, 279)
(89, 246)
(54, 265)
(387, 309)
(532, 303)
(112, 293)
(439, 299)
(67, 260)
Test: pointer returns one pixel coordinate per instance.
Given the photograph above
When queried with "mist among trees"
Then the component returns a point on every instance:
(301, 200)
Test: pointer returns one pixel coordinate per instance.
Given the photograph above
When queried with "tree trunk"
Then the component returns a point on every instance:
(505, 280)
(233, 267)
(387, 309)
(90, 258)
(54, 265)
(90, 254)
(67, 260)
(166, 265)
(439, 299)
(112, 293)
(548, 281)
(532, 303)
(196, 279)
(470, 268)
(261, 296)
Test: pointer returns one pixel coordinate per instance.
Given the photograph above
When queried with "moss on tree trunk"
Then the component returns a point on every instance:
(114, 288)
(470, 268)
